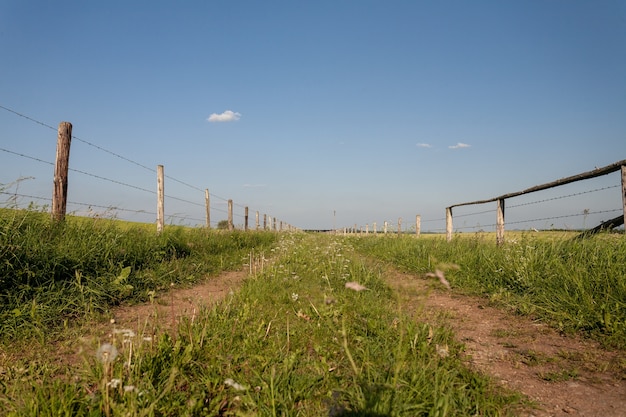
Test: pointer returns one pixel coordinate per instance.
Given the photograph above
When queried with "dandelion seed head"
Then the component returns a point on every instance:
(106, 353)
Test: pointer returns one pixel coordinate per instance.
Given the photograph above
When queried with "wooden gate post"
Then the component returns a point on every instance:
(449, 224)
(230, 215)
(207, 204)
(500, 222)
(61, 168)
(160, 199)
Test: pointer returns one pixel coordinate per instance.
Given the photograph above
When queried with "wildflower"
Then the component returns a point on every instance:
(236, 386)
(114, 383)
(294, 296)
(106, 353)
(127, 333)
(355, 286)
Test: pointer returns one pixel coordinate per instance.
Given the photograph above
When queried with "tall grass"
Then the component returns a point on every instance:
(293, 341)
(52, 274)
(574, 284)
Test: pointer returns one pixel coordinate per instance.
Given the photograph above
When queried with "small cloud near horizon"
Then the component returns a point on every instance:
(459, 145)
(227, 116)
(424, 145)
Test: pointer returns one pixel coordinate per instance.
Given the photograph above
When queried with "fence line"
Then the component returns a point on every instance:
(617, 166)
(58, 211)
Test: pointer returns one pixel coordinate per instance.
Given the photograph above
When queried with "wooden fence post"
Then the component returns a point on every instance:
(274, 223)
(500, 222)
(245, 224)
(385, 227)
(448, 224)
(160, 199)
(230, 215)
(399, 226)
(257, 220)
(374, 231)
(265, 222)
(61, 168)
(207, 204)
(418, 225)
(624, 191)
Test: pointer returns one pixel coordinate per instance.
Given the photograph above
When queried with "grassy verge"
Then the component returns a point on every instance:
(53, 275)
(576, 285)
(295, 340)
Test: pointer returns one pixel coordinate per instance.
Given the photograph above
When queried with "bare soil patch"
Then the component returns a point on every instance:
(166, 311)
(563, 375)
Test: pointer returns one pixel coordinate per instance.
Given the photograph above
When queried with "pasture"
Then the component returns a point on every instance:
(314, 329)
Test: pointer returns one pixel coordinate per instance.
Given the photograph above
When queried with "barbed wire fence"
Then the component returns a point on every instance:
(186, 211)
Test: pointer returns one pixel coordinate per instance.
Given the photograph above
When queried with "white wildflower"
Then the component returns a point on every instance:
(114, 383)
(294, 296)
(234, 385)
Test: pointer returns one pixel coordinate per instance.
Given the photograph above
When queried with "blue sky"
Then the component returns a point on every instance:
(320, 113)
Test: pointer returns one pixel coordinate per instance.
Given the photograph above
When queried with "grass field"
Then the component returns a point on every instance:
(294, 340)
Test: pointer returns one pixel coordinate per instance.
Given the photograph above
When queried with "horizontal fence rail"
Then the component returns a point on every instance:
(500, 200)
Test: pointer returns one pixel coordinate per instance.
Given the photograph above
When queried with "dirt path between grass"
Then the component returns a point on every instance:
(563, 375)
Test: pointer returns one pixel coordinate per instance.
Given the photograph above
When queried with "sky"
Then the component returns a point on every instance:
(319, 113)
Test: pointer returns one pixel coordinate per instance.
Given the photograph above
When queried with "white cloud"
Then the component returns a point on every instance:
(227, 116)
(424, 145)
(459, 145)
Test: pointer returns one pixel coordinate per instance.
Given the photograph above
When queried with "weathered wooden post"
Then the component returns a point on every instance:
(245, 216)
(418, 225)
(61, 168)
(160, 199)
(265, 222)
(449, 224)
(624, 191)
(374, 227)
(274, 223)
(367, 229)
(385, 227)
(207, 205)
(399, 226)
(230, 215)
(257, 220)
(500, 222)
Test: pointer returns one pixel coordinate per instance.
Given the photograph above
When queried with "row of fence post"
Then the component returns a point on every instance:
(59, 194)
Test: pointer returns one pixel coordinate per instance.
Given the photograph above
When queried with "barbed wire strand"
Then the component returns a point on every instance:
(100, 148)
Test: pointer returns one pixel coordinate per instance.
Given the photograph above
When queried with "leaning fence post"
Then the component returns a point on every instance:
(160, 199)
(448, 224)
(61, 168)
(500, 222)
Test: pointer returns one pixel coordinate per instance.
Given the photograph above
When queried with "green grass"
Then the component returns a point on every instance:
(52, 274)
(294, 341)
(577, 285)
